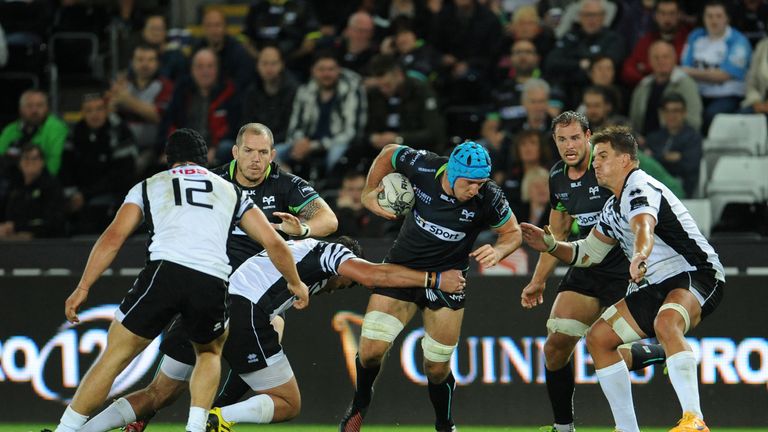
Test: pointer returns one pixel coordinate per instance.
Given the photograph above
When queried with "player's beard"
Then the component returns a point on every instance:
(578, 162)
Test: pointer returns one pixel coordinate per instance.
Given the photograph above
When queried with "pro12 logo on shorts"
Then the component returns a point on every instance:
(438, 231)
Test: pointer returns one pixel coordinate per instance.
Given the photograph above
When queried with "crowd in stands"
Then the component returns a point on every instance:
(337, 81)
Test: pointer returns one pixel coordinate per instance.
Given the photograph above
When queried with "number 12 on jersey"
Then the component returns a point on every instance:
(207, 187)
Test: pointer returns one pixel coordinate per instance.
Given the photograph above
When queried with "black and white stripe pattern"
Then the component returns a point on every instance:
(679, 246)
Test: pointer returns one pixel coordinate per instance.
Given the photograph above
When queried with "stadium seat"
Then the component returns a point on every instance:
(701, 212)
(75, 63)
(738, 179)
(737, 134)
(13, 85)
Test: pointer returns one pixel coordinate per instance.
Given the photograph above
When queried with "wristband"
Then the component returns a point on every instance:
(437, 282)
(426, 279)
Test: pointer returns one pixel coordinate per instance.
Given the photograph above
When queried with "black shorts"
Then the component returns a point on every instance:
(425, 297)
(607, 289)
(644, 303)
(251, 341)
(164, 289)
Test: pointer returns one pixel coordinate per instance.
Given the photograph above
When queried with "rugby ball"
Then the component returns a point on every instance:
(397, 196)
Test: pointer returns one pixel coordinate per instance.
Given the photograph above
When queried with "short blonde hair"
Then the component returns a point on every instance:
(532, 175)
(525, 12)
(254, 129)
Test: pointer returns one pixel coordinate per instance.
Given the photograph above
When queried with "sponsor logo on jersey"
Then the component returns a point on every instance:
(576, 184)
(445, 197)
(253, 358)
(587, 219)
(420, 194)
(562, 196)
(425, 170)
(638, 202)
(268, 200)
(466, 215)
(594, 190)
(438, 231)
(636, 191)
(306, 190)
(431, 296)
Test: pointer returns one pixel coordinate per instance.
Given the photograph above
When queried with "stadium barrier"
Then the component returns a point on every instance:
(498, 365)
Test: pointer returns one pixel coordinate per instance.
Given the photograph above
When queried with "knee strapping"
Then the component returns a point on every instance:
(570, 327)
(620, 325)
(436, 352)
(175, 369)
(381, 326)
(681, 310)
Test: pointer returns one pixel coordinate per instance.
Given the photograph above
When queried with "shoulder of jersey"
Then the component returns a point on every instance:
(557, 168)
(221, 171)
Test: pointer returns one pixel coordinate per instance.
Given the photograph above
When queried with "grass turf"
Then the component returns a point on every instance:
(175, 427)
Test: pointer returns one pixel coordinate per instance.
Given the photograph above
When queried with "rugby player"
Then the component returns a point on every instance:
(583, 293)
(189, 212)
(455, 201)
(258, 293)
(680, 276)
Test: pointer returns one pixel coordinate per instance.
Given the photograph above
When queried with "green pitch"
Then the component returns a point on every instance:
(176, 427)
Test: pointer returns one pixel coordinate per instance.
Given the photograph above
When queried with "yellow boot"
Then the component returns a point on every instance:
(690, 423)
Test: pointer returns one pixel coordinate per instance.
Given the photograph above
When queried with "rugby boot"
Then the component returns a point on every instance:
(447, 428)
(690, 423)
(137, 426)
(553, 428)
(353, 419)
(216, 422)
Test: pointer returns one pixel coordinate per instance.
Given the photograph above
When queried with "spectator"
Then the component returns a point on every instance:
(234, 61)
(599, 109)
(206, 103)
(468, 35)
(35, 208)
(100, 164)
(537, 118)
(328, 116)
(356, 47)
(401, 110)
(526, 154)
(535, 197)
(418, 58)
(507, 97)
(36, 126)
(665, 78)
(354, 219)
(602, 72)
(677, 146)
(526, 25)
(756, 98)
(669, 27)
(565, 14)
(281, 23)
(569, 61)
(173, 64)
(749, 17)
(269, 99)
(141, 98)
(717, 57)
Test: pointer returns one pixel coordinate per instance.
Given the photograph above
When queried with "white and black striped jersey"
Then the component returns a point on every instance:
(678, 243)
(258, 280)
(189, 212)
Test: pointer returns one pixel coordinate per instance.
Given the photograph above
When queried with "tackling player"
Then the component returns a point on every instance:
(455, 201)
(258, 293)
(680, 275)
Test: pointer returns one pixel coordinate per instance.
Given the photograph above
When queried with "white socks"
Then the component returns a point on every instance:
(197, 419)
(118, 414)
(684, 377)
(258, 409)
(71, 421)
(614, 380)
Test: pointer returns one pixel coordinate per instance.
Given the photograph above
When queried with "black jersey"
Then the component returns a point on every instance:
(261, 282)
(439, 232)
(279, 192)
(584, 199)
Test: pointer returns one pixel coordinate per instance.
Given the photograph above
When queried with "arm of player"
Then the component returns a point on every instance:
(581, 253)
(396, 276)
(509, 239)
(319, 217)
(642, 226)
(380, 167)
(533, 293)
(103, 253)
(256, 225)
